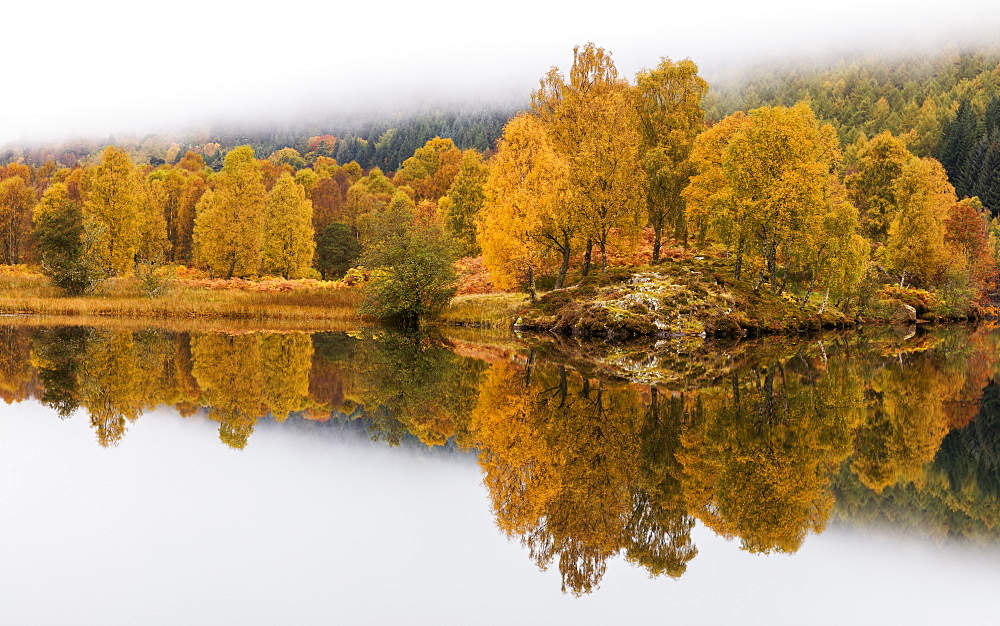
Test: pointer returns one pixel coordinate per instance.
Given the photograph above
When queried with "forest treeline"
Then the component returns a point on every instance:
(580, 467)
(831, 186)
(945, 106)
(372, 139)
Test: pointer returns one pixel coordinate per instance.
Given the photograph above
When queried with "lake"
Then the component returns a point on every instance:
(163, 477)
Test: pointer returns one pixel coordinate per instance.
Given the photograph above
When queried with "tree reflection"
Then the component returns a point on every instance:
(17, 375)
(658, 532)
(111, 385)
(57, 355)
(227, 368)
(579, 466)
(581, 469)
(759, 458)
(560, 454)
(413, 384)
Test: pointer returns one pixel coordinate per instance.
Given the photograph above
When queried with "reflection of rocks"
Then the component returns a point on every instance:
(904, 314)
(675, 363)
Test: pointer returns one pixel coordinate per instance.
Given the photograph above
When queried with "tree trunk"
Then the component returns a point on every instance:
(563, 266)
(657, 237)
(738, 268)
(531, 285)
(587, 256)
(809, 291)
(826, 299)
(780, 287)
(772, 265)
(681, 231)
(604, 254)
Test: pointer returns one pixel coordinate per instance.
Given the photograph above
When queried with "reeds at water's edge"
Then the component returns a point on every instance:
(124, 297)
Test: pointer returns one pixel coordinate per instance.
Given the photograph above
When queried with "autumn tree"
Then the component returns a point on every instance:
(431, 170)
(115, 212)
(967, 233)
(460, 207)
(833, 253)
(229, 227)
(289, 157)
(880, 163)
(670, 118)
(270, 172)
(17, 197)
(166, 196)
(329, 197)
(708, 204)
(366, 197)
(192, 162)
(593, 123)
(194, 189)
(768, 172)
(915, 247)
(526, 211)
(288, 235)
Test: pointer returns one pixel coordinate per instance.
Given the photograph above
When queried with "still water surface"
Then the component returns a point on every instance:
(152, 477)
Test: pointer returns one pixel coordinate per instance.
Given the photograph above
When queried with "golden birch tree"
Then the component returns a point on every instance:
(593, 123)
(166, 194)
(229, 227)
(670, 118)
(288, 235)
(526, 212)
(915, 247)
(17, 198)
(762, 185)
(880, 163)
(113, 211)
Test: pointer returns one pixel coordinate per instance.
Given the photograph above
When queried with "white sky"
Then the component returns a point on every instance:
(100, 66)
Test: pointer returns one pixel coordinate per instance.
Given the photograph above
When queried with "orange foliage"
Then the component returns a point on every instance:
(473, 276)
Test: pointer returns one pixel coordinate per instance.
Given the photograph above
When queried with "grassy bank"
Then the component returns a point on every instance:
(310, 303)
(487, 310)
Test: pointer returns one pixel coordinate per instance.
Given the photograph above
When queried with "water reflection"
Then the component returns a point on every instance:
(765, 446)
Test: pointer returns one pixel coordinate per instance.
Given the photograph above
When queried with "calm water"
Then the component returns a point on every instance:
(153, 477)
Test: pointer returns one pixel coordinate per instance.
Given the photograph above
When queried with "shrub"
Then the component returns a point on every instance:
(417, 275)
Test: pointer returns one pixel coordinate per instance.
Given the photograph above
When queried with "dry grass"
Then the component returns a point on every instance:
(305, 302)
(193, 301)
(493, 310)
